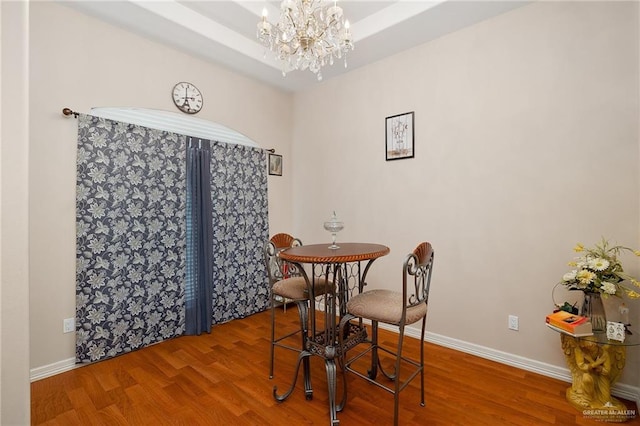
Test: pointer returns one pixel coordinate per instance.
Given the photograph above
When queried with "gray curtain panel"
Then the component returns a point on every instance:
(199, 297)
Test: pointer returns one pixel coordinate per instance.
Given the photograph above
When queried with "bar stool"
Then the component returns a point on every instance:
(399, 309)
(288, 285)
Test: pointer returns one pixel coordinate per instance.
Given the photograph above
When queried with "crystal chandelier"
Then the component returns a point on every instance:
(307, 35)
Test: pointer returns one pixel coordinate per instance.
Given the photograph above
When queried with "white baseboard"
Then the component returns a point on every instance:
(622, 390)
(52, 369)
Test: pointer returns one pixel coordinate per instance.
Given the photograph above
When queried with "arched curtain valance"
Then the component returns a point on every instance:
(174, 123)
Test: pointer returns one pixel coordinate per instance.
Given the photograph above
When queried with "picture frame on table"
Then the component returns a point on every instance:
(275, 164)
(400, 136)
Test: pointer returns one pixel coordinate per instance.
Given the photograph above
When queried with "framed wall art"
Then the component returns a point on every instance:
(275, 164)
(399, 136)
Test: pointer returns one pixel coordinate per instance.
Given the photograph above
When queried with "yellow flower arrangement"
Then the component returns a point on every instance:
(599, 270)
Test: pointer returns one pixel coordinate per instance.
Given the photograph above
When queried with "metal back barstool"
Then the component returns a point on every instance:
(399, 309)
(287, 285)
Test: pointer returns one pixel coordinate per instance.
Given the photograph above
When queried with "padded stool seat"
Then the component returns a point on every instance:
(384, 306)
(295, 288)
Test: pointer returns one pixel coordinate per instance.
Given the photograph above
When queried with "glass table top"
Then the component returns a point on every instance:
(601, 338)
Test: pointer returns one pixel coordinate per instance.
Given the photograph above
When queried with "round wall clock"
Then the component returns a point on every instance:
(187, 97)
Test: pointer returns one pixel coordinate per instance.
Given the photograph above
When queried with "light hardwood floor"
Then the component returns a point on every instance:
(222, 379)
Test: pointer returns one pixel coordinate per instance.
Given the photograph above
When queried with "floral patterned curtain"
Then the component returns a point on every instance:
(130, 230)
(131, 235)
(240, 228)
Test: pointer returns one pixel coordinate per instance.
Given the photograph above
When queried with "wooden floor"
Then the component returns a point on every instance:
(222, 379)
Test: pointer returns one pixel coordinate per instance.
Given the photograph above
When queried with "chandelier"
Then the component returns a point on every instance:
(307, 35)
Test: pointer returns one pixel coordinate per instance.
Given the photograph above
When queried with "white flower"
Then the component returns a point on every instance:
(599, 264)
(609, 288)
(585, 277)
(570, 276)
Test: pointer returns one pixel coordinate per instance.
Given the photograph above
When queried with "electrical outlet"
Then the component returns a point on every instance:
(68, 325)
(513, 322)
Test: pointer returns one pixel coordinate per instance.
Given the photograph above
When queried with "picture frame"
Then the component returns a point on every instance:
(399, 136)
(275, 164)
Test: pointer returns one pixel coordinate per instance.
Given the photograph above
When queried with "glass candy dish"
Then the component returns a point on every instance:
(334, 226)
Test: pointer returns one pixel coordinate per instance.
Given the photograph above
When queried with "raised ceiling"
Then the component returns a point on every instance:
(224, 32)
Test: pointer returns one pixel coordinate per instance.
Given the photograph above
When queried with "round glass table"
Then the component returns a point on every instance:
(596, 363)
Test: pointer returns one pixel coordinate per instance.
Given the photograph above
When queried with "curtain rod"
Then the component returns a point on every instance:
(69, 112)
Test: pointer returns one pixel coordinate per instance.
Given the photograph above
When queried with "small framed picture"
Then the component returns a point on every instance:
(399, 136)
(275, 164)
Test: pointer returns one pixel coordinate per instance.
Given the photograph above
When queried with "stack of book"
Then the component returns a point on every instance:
(575, 325)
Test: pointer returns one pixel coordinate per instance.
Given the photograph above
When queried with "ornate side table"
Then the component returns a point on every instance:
(596, 363)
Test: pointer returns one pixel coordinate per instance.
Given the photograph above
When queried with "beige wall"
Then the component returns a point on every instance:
(14, 278)
(79, 62)
(526, 143)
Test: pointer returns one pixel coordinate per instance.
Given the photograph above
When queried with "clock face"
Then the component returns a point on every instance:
(187, 97)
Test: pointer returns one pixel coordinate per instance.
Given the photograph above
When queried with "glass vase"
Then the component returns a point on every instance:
(593, 308)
